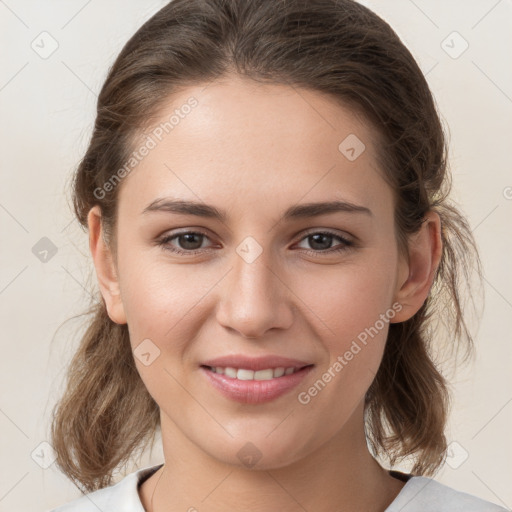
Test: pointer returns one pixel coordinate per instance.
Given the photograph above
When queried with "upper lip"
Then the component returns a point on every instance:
(255, 363)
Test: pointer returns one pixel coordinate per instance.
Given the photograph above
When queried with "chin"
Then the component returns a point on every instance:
(260, 451)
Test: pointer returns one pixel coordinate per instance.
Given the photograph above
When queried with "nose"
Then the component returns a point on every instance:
(254, 298)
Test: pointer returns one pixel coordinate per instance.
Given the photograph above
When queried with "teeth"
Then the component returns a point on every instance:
(230, 372)
(278, 372)
(263, 374)
(243, 374)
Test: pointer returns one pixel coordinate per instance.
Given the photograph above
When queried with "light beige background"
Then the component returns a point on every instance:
(46, 112)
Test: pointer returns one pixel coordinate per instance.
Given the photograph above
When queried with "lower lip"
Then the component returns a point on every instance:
(255, 391)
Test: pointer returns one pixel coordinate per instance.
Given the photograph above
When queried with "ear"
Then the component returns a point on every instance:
(417, 274)
(105, 267)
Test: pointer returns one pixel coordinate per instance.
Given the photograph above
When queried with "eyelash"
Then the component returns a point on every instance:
(346, 244)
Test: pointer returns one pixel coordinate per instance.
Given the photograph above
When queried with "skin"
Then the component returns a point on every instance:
(255, 150)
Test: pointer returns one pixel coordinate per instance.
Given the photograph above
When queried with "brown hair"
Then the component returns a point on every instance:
(336, 47)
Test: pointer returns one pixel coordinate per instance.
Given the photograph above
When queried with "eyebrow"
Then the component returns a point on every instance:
(298, 211)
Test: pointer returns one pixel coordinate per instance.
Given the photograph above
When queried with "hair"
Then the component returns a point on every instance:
(335, 47)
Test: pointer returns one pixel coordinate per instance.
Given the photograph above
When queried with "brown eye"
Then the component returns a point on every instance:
(321, 242)
(188, 242)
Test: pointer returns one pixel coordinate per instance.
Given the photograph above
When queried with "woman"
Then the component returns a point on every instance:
(266, 197)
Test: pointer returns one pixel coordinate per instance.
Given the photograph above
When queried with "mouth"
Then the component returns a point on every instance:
(259, 383)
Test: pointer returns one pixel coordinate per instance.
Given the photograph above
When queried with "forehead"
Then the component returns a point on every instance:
(237, 143)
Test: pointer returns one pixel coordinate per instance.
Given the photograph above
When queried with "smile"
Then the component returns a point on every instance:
(254, 386)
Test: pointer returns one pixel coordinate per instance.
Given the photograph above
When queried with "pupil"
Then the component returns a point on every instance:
(189, 240)
(321, 236)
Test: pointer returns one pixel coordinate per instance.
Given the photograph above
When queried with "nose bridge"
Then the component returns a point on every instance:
(253, 297)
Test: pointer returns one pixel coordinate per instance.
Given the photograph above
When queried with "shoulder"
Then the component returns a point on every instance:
(423, 494)
(121, 497)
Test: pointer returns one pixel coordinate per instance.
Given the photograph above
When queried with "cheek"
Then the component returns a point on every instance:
(348, 299)
(156, 294)
(159, 301)
(353, 308)
(356, 310)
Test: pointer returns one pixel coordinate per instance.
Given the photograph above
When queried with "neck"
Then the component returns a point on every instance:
(341, 475)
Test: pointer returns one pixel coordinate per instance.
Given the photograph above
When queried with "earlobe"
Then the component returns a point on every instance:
(105, 268)
(417, 275)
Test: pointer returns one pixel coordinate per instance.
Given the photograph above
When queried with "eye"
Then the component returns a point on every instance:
(190, 242)
(321, 241)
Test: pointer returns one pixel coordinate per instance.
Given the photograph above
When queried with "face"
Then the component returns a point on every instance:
(313, 290)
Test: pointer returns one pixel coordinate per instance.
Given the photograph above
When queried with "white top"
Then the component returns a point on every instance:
(419, 494)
